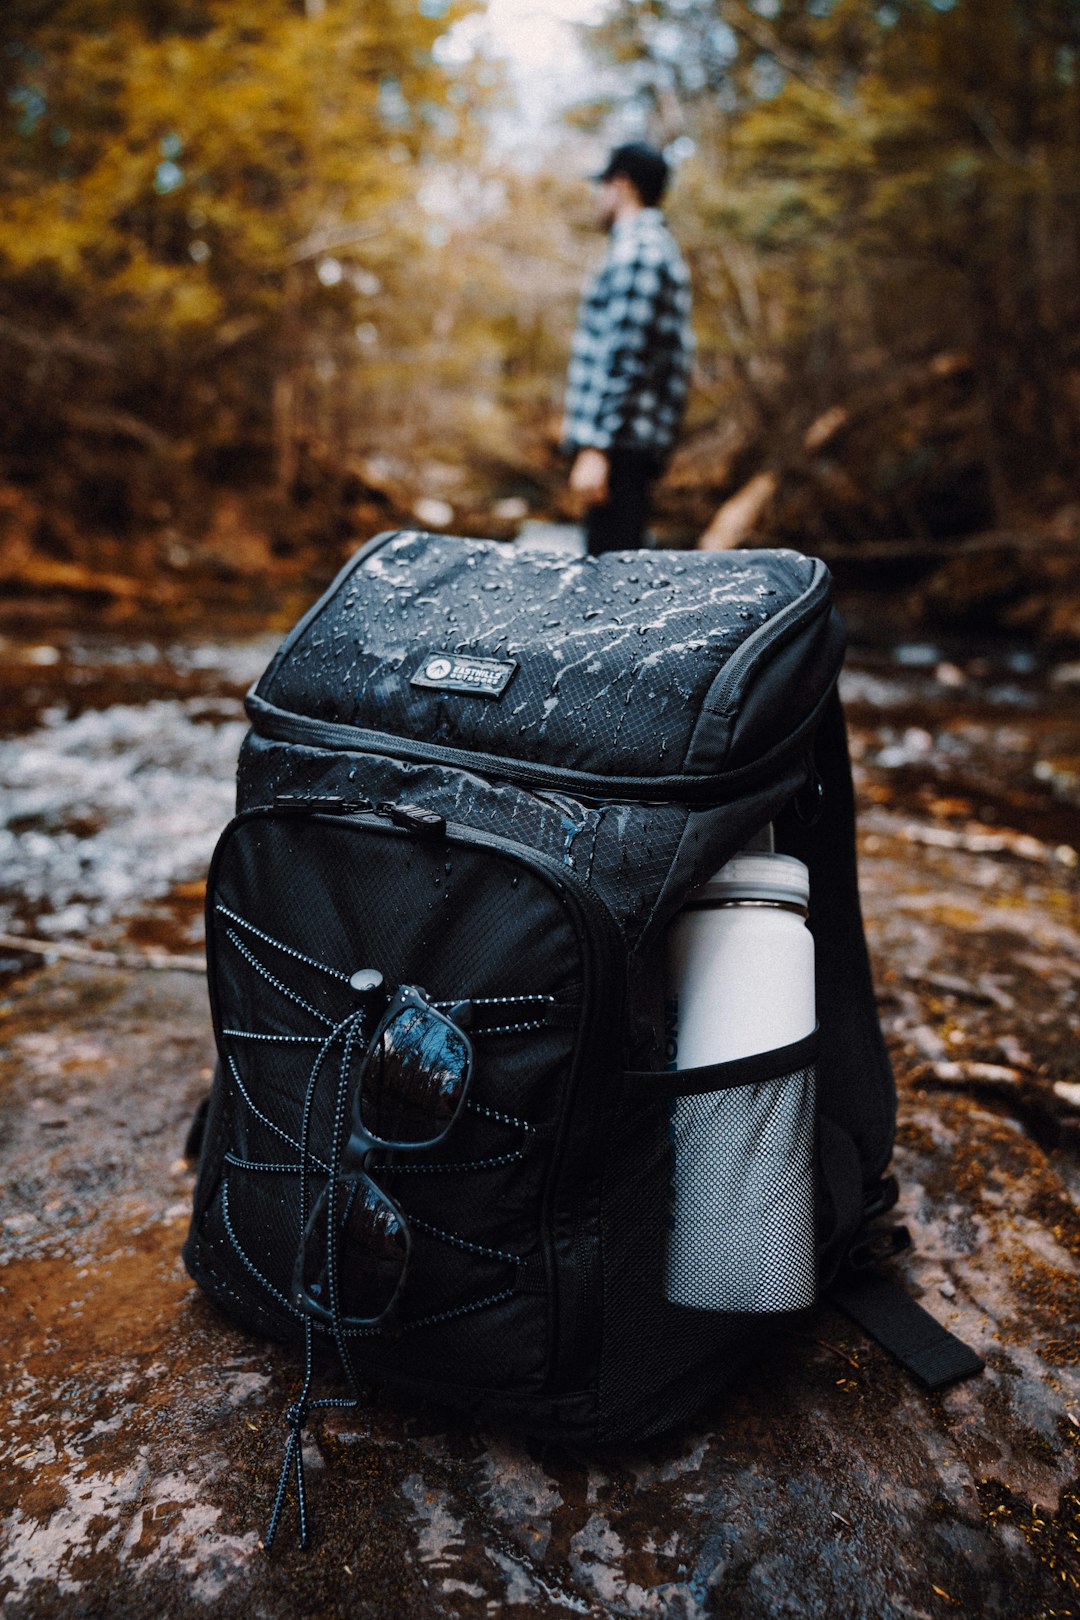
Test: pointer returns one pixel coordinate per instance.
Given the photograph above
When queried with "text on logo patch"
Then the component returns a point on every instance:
(456, 672)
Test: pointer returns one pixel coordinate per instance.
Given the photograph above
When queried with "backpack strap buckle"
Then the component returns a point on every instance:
(881, 1198)
(878, 1244)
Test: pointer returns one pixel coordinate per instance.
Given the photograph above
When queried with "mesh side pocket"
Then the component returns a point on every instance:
(742, 1196)
(660, 1364)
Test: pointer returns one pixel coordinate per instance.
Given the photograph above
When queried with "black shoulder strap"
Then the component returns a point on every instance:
(855, 1080)
(888, 1313)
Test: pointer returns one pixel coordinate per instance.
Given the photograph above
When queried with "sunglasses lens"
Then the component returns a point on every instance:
(415, 1079)
(372, 1250)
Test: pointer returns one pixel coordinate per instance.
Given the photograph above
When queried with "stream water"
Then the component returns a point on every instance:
(117, 759)
(117, 766)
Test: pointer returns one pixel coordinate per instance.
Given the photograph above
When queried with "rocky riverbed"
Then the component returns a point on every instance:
(143, 1434)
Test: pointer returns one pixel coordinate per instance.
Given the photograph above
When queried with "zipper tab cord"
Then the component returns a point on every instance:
(295, 1417)
(296, 1414)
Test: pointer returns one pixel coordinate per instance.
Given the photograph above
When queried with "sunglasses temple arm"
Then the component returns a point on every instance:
(459, 1013)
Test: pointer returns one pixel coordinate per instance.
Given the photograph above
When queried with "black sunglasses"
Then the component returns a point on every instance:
(410, 1083)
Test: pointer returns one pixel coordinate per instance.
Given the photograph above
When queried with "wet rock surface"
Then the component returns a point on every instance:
(142, 1434)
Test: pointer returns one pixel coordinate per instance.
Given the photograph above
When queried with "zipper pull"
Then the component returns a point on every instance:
(415, 819)
(329, 804)
(810, 799)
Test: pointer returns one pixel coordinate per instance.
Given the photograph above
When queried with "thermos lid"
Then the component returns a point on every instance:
(782, 879)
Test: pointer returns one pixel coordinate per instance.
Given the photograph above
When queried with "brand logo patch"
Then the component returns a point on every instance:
(457, 672)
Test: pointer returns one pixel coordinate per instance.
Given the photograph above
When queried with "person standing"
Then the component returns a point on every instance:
(631, 354)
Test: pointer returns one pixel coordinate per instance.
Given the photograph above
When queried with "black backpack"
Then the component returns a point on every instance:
(498, 776)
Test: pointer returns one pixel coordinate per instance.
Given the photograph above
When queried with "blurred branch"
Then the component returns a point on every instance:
(738, 515)
(56, 343)
(64, 951)
(991, 132)
(49, 574)
(113, 422)
(331, 239)
(743, 21)
(235, 331)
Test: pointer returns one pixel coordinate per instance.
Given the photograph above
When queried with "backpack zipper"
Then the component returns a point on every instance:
(280, 725)
(779, 628)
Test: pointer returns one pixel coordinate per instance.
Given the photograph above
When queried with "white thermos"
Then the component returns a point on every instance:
(741, 982)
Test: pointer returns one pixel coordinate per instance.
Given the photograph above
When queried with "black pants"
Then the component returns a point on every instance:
(618, 524)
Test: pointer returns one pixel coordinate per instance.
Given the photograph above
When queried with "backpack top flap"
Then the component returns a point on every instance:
(643, 669)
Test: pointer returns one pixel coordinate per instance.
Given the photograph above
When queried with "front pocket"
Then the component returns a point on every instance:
(297, 902)
(741, 1234)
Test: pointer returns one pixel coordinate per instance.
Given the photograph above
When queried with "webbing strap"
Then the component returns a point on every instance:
(888, 1313)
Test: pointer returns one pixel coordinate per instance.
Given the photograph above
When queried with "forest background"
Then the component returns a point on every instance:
(273, 277)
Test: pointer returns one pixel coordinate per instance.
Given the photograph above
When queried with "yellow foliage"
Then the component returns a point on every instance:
(247, 133)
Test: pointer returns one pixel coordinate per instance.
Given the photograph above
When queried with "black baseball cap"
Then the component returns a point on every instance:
(644, 166)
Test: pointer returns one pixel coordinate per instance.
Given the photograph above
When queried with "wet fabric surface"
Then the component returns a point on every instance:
(607, 660)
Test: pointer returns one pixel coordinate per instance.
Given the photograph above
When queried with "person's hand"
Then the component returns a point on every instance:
(589, 477)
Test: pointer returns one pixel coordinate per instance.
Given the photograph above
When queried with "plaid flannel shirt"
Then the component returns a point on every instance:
(633, 346)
